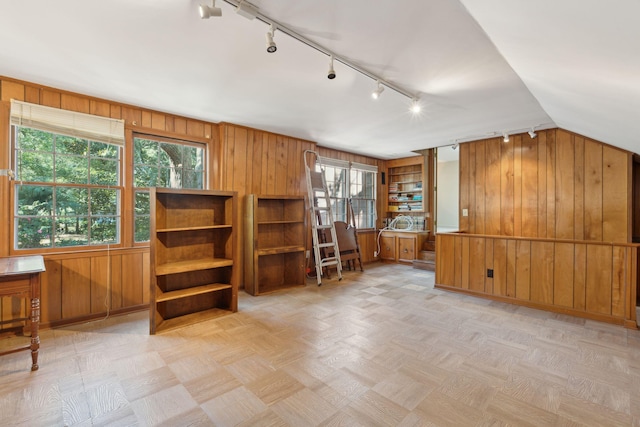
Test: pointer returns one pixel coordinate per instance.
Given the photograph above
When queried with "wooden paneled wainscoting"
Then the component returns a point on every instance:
(82, 286)
(593, 280)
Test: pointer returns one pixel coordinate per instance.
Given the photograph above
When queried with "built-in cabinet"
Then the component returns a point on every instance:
(193, 241)
(274, 243)
(401, 246)
(405, 190)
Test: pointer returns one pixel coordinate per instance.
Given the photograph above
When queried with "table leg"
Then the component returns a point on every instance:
(35, 337)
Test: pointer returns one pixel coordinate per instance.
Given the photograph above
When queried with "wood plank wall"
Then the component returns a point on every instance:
(589, 279)
(260, 162)
(77, 283)
(559, 185)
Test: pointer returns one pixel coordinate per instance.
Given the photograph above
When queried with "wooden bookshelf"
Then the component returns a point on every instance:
(193, 243)
(275, 243)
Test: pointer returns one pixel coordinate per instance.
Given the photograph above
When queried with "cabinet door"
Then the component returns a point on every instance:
(388, 247)
(406, 248)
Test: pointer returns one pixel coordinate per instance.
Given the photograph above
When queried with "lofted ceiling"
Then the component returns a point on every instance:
(479, 67)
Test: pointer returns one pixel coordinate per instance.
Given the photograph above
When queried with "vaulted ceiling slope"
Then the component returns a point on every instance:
(479, 67)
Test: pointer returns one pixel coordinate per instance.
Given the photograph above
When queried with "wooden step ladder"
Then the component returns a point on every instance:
(321, 217)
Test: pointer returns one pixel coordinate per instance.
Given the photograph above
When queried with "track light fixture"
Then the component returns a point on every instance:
(271, 45)
(377, 91)
(332, 73)
(415, 106)
(532, 133)
(505, 137)
(247, 10)
(207, 12)
(454, 146)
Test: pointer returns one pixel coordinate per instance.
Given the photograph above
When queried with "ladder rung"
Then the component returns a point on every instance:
(321, 208)
(323, 227)
(326, 245)
(328, 261)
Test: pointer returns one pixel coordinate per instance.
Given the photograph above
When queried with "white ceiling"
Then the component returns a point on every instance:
(480, 67)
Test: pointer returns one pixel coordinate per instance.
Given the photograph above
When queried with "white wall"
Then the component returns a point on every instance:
(447, 194)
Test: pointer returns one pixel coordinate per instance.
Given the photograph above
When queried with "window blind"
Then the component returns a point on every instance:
(69, 123)
(364, 167)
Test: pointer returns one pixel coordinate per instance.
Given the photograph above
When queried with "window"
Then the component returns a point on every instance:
(67, 191)
(351, 182)
(166, 163)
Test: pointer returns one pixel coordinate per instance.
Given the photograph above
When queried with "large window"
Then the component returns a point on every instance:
(67, 191)
(354, 183)
(162, 163)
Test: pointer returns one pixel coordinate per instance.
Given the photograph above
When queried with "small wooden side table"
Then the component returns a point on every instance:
(20, 277)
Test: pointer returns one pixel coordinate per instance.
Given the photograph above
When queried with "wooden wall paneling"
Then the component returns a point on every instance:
(457, 261)
(618, 280)
(100, 278)
(272, 148)
(11, 90)
(32, 94)
(500, 275)
(249, 165)
(116, 280)
(76, 103)
(238, 166)
(479, 181)
(580, 277)
(507, 186)
(631, 288)
(294, 173)
(565, 185)
(146, 277)
(466, 264)
(132, 116)
(488, 258)
(170, 124)
(447, 264)
(493, 196)
(542, 184)
(511, 262)
(99, 108)
(530, 194)
(615, 195)
(579, 195)
(180, 125)
(523, 270)
(593, 187)
(598, 284)
(158, 121)
(551, 185)
(195, 128)
(51, 291)
(146, 119)
(5, 184)
(563, 268)
(477, 264)
(228, 156)
(281, 165)
(542, 272)
(115, 112)
(517, 186)
(464, 169)
(132, 280)
(76, 287)
(257, 164)
(50, 98)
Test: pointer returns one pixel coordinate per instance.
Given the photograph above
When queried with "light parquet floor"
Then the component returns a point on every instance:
(379, 348)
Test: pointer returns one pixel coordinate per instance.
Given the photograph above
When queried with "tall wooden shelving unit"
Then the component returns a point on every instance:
(193, 244)
(275, 243)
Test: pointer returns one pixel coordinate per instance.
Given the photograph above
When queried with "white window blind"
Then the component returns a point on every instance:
(69, 123)
(326, 161)
(364, 167)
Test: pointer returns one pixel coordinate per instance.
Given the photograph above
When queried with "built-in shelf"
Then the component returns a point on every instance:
(192, 265)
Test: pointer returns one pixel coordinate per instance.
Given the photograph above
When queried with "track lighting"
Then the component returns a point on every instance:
(247, 10)
(505, 137)
(532, 133)
(415, 106)
(207, 12)
(271, 45)
(332, 73)
(378, 90)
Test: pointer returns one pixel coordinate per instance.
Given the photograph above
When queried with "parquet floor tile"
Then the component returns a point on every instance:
(379, 348)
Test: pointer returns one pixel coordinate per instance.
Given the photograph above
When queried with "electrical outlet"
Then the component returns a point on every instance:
(375, 254)
(489, 272)
(465, 212)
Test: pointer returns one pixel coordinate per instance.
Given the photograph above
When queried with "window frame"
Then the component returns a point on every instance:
(349, 168)
(178, 139)
(16, 182)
